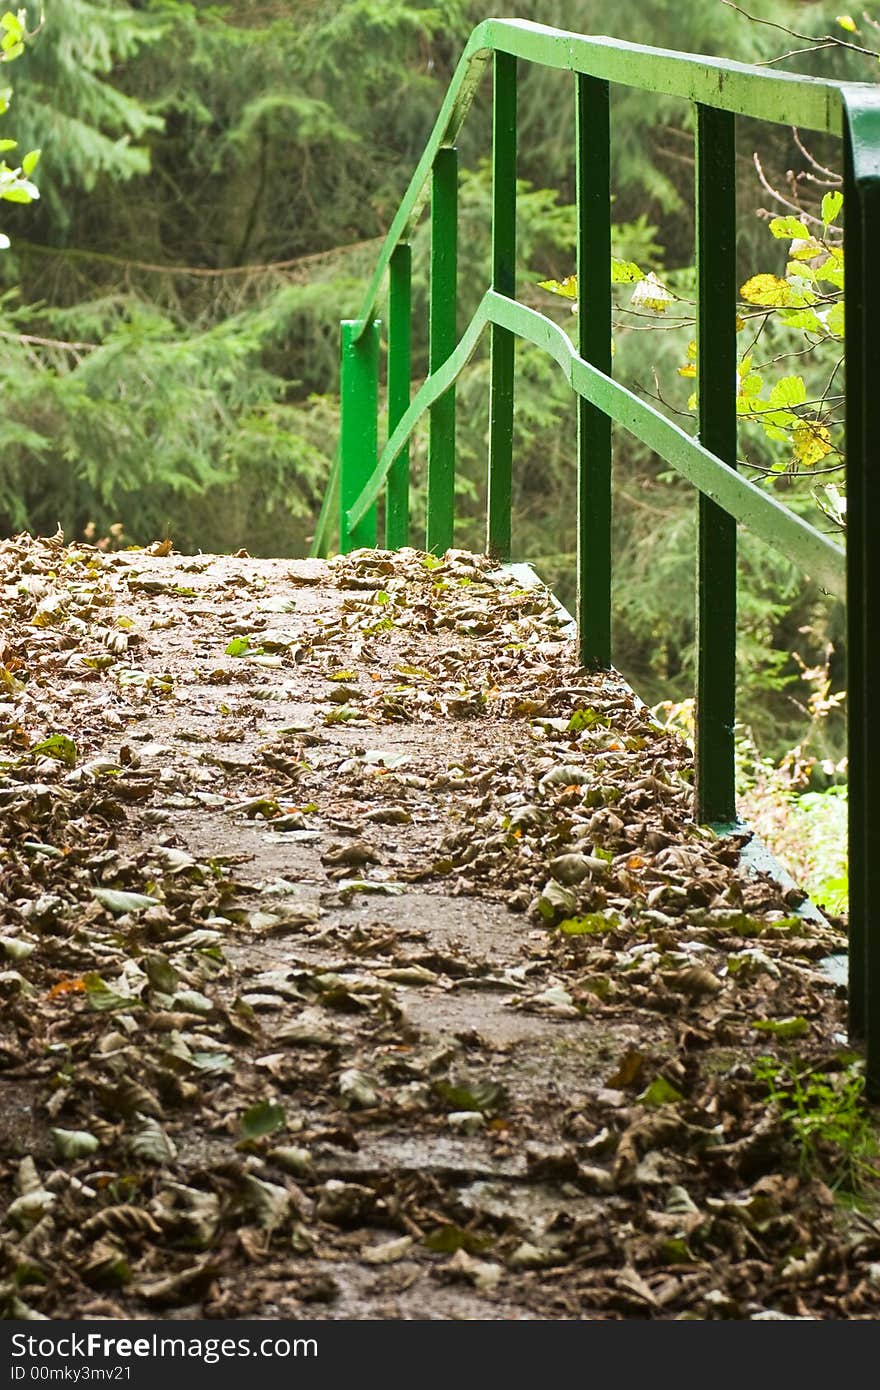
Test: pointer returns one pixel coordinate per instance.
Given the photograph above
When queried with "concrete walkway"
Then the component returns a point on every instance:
(363, 961)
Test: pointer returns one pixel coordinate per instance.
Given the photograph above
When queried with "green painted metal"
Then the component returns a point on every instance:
(329, 514)
(758, 510)
(739, 87)
(857, 697)
(359, 391)
(503, 343)
(721, 91)
(593, 179)
(399, 380)
(862, 204)
(715, 784)
(809, 102)
(442, 340)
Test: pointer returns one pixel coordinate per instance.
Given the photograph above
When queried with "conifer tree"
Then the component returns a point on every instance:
(72, 104)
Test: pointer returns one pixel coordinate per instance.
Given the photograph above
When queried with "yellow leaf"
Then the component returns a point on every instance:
(812, 441)
(767, 290)
(847, 22)
(689, 369)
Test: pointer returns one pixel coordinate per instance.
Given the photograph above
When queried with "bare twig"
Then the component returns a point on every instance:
(657, 395)
(31, 339)
(780, 198)
(835, 178)
(828, 40)
(792, 53)
(202, 272)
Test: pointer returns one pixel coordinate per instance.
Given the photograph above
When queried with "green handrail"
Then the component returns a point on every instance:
(721, 91)
(749, 504)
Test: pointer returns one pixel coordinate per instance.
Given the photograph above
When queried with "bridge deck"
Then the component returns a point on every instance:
(432, 1001)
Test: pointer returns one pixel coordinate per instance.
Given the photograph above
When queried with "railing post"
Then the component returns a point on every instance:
(359, 404)
(593, 132)
(442, 336)
(862, 233)
(501, 359)
(715, 795)
(399, 376)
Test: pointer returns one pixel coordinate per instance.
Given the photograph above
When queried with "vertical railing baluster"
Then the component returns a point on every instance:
(862, 235)
(399, 376)
(593, 131)
(715, 799)
(442, 340)
(358, 429)
(501, 360)
(856, 641)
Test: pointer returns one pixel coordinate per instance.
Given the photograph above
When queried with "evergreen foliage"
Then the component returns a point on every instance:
(216, 179)
(69, 103)
(16, 185)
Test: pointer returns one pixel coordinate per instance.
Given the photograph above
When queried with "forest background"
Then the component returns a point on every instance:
(215, 181)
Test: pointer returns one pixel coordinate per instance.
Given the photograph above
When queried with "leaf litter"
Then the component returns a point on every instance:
(368, 958)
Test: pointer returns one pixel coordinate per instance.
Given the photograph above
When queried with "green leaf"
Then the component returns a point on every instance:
(213, 1061)
(341, 715)
(625, 272)
(262, 1119)
(796, 1027)
(265, 806)
(847, 22)
(16, 949)
(446, 1240)
(30, 161)
(102, 998)
(831, 270)
(787, 392)
(567, 288)
(8, 144)
(193, 1001)
(59, 747)
(789, 228)
(806, 319)
(660, 1092)
(12, 24)
(590, 924)
(119, 902)
(586, 719)
(161, 973)
(74, 1143)
(482, 1096)
(366, 885)
(835, 319)
(675, 1251)
(238, 646)
(750, 386)
(831, 205)
(269, 1201)
(19, 193)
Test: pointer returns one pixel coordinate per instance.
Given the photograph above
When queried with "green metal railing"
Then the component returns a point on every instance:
(721, 91)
